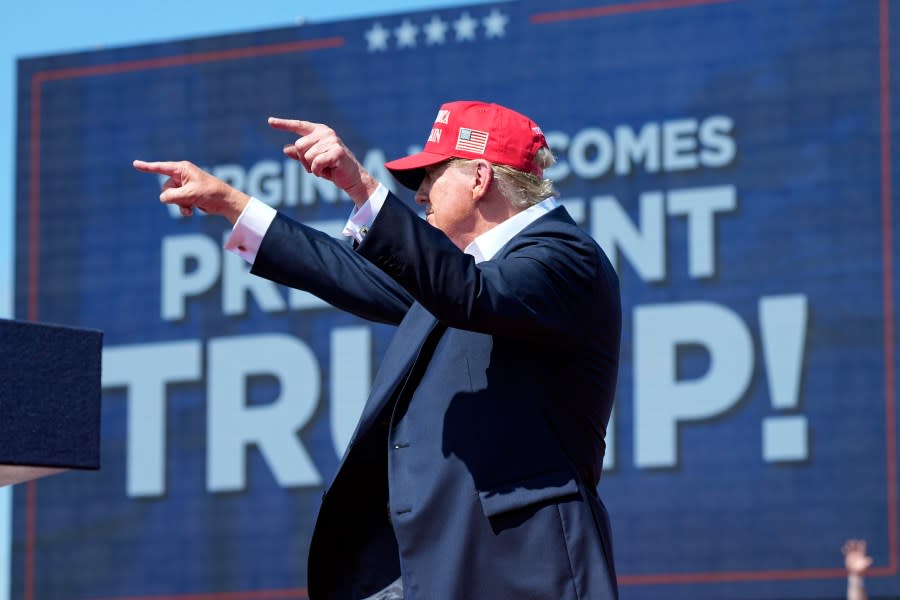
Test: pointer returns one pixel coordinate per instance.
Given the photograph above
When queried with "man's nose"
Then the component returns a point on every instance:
(421, 196)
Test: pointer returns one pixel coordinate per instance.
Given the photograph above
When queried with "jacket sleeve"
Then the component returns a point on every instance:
(549, 280)
(304, 258)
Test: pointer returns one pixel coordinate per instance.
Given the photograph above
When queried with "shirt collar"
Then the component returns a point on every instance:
(486, 245)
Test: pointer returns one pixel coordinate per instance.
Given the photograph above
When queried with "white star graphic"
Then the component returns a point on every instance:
(465, 27)
(377, 37)
(495, 24)
(435, 31)
(406, 34)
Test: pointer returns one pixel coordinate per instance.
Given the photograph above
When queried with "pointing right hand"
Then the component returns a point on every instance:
(190, 187)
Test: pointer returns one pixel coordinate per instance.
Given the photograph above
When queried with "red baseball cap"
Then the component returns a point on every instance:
(467, 129)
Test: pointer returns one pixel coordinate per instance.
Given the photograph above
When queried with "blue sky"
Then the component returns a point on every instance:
(42, 27)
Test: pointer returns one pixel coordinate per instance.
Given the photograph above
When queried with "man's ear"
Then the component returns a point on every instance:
(483, 178)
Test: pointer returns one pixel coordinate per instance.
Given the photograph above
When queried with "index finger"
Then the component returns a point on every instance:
(293, 125)
(162, 168)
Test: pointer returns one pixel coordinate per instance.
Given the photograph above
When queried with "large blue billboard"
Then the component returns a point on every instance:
(734, 159)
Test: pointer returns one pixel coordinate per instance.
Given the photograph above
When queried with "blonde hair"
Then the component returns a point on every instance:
(522, 189)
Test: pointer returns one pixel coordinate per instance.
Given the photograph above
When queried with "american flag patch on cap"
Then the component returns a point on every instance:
(472, 140)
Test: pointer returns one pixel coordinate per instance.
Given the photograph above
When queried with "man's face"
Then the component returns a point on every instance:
(446, 194)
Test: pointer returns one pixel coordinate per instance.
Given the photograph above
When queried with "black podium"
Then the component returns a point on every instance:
(49, 399)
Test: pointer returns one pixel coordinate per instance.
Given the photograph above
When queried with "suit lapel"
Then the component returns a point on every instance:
(397, 363)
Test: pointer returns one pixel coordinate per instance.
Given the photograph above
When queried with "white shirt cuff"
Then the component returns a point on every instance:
(361, 218)
(249, 229)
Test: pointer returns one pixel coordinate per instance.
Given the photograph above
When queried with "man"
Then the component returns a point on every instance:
(473, 470)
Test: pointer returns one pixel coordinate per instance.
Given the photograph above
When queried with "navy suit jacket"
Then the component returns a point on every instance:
(473, 468)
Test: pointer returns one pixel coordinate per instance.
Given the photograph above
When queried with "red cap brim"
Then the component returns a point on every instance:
(410, 170)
